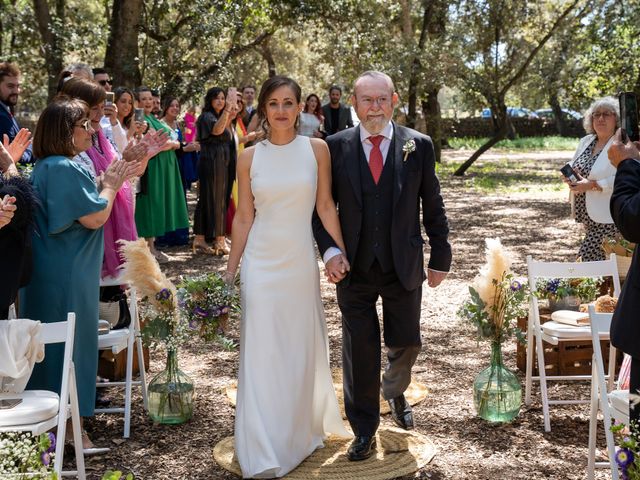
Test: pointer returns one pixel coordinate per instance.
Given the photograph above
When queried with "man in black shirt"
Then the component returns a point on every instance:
(337, 117)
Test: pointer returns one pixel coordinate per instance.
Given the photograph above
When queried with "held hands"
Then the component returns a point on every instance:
(619, 151)
(191, 147)
(7, 210)
(19, 144)
(337, 268)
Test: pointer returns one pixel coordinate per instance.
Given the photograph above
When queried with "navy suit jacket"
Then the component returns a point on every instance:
(625, 210)
(415, 185)
(9, 126)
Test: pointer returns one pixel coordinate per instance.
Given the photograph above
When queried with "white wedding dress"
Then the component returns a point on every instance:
(286, 402)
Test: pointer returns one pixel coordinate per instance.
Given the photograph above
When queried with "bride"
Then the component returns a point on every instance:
(286, 404)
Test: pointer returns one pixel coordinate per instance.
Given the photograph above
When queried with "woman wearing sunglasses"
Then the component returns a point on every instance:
(68, 243)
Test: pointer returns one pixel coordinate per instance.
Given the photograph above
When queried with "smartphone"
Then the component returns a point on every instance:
(7, 403)
(629, 115)
(569, 173)
(138, 114)
(232, 96)
(110, 98)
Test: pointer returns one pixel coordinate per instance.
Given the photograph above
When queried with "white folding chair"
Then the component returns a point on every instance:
(613, 403)
(116, 341)
(12, 311)
(554, 333)
(39, 410)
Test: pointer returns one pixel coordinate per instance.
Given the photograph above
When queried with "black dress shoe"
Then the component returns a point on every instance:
(361, 448)
(401, 412)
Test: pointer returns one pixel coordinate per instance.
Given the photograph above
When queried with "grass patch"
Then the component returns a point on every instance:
(524, 143)
(505, 176)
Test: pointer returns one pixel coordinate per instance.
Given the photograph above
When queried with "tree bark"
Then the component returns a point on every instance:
(561, 124)
(122, 54)
(433, 117)
(49, 27)
(267, 54)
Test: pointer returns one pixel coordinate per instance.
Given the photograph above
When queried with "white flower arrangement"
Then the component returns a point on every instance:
(408, 147)
(24, 456)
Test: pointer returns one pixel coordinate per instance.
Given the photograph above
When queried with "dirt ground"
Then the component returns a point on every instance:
(534, 222)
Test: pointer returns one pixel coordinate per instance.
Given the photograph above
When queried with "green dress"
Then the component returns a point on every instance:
(67, 259)
(160, 207)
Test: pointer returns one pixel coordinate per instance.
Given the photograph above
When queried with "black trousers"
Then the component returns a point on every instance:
(634, 387)
(361, 348)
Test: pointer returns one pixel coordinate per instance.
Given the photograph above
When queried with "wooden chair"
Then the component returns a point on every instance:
(553, 333)
(40, 411)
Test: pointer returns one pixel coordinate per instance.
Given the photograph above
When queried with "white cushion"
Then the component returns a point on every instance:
(36, 406)
(562, 330)
(113, 338)
(619, 400)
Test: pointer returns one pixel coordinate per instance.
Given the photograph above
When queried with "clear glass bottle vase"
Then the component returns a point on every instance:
(171, 394)
(496, 390)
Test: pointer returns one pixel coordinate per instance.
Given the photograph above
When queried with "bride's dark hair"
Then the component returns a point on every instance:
(268, 87)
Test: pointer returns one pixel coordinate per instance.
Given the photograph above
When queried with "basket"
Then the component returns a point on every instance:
(624, 264)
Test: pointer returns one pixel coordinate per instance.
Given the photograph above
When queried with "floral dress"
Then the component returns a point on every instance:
(591, 246)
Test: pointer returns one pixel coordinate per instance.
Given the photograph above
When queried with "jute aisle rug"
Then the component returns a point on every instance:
(415, 393)
(399, 453)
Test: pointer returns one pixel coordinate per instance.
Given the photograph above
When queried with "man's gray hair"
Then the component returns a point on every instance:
(609, 104)
(374, 74)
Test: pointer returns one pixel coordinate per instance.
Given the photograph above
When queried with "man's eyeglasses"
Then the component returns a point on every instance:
(370, 101)
(86, 125)
(105, 82)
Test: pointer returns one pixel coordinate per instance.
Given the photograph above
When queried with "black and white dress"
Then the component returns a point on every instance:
(591, 246)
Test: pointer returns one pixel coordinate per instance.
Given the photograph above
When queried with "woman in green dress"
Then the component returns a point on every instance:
(160, 205)
(68, 244)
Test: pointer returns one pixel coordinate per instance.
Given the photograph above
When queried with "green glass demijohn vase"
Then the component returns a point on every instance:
(496, 390)
(171, 394)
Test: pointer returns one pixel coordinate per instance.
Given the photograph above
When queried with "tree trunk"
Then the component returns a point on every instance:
(49, 26)
(265, 51)
(561, 124)
(121, 58)
(490, 143)
(433, 119)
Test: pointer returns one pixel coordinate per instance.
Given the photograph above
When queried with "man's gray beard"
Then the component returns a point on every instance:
(374, 127)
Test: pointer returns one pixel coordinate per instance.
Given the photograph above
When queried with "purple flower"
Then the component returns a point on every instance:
(45, 458)
(515, 286)
(215, 312)
(624, 457)
(52, 442)
(552, 285)
(193, 325)
(200, 312)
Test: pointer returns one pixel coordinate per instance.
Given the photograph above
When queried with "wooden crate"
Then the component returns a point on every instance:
(114, 367)
(566, 358)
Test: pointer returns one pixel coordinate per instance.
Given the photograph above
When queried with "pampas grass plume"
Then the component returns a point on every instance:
(141, 270)
(497, 264)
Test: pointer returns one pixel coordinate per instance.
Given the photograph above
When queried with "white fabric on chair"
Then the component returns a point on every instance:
(36, 406)
(620, 400)
(20, 349)
(556, 329)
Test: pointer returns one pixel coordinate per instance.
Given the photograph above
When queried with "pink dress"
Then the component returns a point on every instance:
(121, 224)
(189, 127)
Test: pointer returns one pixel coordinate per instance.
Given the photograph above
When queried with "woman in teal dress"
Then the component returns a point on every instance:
(68, 244)
(160, 205)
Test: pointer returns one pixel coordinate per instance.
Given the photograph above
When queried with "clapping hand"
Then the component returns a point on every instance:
(116, 174)
(336, 268)
(20, 143)
(7, 210)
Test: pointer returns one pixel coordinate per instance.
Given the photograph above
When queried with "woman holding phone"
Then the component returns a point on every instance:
(591, 193)
(217, 149)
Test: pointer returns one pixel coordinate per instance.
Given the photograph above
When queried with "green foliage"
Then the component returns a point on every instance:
(116, 475)
(23, 456)
(627, 455)
(524, 143)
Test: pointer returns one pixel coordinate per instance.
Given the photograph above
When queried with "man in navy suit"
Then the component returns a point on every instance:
(625, 210)
(9, 91)
(382, 174)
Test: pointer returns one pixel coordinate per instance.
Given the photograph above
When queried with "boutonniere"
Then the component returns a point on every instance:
(408, 147)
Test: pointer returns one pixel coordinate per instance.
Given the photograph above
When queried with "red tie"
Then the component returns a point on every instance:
(375, 157)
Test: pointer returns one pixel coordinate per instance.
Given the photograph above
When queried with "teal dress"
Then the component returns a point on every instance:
(67, 259)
